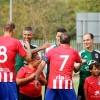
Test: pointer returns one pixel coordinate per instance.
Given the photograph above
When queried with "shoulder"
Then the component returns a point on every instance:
(16, 41)
(88, 78)
(97, 51)
(82, 51)
(13, 39)
(73, 50)
(24, 68)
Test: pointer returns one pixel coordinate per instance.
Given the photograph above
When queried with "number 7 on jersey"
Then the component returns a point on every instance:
(64, 62)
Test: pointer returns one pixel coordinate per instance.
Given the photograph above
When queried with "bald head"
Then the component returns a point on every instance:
(90, 34)
(65, 38)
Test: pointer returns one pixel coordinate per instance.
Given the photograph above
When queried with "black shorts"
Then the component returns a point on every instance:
(80, 93)
(24, 97)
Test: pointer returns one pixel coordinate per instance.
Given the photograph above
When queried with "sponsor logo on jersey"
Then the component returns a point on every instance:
(4, 70)
(97, 92)
(90, 62)
(91, 82)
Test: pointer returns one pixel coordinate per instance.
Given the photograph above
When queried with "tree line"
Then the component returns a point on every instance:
(45, 16)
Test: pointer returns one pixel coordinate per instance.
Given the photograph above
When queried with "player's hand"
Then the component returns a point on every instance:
(27, 45)
(46, 45)
(83, 61)
(37, 84)
(33, 76)
(40, 77)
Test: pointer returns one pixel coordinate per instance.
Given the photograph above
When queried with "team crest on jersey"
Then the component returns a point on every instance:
(96, 55)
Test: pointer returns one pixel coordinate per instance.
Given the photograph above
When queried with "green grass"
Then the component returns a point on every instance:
(76, 82)
(43, 90)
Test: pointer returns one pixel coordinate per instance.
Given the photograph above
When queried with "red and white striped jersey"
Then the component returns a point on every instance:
(61, 67)
(9, 47)
(62, 84)
(7, 77)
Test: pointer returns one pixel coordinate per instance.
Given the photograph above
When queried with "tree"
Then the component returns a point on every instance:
(45, 16)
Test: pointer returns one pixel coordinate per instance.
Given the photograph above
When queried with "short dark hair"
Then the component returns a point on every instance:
(65, 38)
(91, 35)
(96, 64)
(34, 55)
(9, 26)
(61, 30)
(28, 28)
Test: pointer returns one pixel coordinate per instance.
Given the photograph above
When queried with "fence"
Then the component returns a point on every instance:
(77, 46)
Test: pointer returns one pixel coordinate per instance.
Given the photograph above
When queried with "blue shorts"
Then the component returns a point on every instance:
(60, 94)
(8, 91)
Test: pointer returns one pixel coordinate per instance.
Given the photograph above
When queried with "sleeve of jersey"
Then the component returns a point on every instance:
(21, 73)
(20, 49)
(86, 84)
(78, 58)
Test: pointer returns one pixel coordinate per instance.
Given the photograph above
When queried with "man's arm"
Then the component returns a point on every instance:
(44, 46)
(38, 72)
(22, 81)
(29, 51)
(40, 69)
